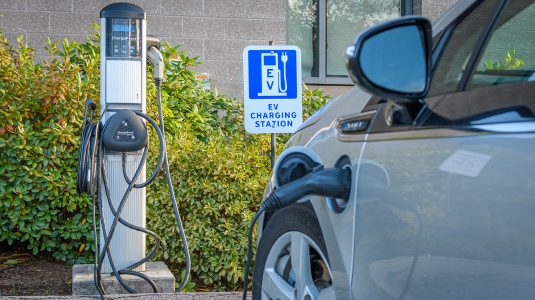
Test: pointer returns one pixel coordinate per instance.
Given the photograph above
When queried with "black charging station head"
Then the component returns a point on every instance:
(125, 132)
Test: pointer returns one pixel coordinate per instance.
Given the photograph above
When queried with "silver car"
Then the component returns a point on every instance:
(439, 140)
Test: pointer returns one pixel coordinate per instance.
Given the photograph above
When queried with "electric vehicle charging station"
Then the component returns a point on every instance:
(123, 86)
(113, 155)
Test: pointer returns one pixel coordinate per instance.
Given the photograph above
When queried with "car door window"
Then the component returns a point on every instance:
(459, 48)
(509, 56)
(506, 57)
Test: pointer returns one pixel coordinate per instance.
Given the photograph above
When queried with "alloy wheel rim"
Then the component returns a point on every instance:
(295, 268)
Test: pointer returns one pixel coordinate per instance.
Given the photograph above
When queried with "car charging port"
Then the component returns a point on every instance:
(339, 204)
(294, 166)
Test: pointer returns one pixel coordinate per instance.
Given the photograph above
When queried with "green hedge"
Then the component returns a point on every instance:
(39, 128)
(219, 171)
(219, 185)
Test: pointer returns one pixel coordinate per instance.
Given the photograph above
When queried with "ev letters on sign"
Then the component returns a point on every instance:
(272, 89)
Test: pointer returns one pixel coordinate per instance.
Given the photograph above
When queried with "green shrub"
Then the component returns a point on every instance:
(39, 131)
(219, 186)
(218, 170)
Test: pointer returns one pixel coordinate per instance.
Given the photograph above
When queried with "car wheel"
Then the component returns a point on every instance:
(291, 260)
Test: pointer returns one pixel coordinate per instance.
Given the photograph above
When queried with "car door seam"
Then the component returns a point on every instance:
(355, 214)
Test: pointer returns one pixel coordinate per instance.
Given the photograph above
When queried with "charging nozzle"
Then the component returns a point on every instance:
(154, 56)
(331, 182)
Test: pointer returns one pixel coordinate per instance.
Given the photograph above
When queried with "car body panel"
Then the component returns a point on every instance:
(337, 227)
(474, 196)
(317, 134)
(352, 101)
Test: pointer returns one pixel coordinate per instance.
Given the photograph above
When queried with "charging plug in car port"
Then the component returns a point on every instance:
(339, 204)
(298, 176)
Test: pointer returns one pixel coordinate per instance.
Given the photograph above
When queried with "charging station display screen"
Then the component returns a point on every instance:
(123, 38)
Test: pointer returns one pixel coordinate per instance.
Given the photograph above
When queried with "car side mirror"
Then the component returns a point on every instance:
(393, 59)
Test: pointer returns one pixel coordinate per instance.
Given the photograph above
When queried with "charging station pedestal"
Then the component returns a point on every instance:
(123, 62)
(123, 86)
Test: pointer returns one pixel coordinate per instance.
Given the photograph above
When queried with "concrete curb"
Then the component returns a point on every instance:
(83, 280)
(166, 296)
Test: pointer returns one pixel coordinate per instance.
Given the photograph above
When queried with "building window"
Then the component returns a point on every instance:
(323, 29)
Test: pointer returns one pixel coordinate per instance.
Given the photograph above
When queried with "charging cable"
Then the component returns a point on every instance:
(331, 182)
(155, 57)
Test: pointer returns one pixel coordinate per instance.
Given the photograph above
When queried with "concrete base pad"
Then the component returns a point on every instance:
(83, 283)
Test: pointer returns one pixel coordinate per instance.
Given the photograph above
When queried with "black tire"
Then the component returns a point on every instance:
(298, 218)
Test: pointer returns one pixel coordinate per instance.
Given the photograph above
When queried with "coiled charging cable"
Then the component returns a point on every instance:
(91, 171)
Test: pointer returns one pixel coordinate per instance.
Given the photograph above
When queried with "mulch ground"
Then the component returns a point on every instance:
(22, 274)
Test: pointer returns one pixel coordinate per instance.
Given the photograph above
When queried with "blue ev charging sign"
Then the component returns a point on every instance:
(272, 89)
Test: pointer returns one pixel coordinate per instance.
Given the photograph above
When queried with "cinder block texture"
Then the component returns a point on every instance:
(26, 21)
(205, 28)
(13, 4)
(71, 23)
(165, 26)
(83, 284)
(48, 5)
(216, 30)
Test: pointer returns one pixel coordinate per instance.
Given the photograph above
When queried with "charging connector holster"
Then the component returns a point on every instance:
(125, 132)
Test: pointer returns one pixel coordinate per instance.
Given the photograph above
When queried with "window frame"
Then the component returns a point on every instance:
(407, 8)
(481, 51)
(464, 97)
(480, 46)
(444, 40)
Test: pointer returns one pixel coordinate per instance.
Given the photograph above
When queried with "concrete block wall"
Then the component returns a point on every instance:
(214, 30)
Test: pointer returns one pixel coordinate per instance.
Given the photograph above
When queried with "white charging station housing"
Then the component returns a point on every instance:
(123, 86)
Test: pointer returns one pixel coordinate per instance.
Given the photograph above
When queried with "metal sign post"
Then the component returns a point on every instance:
(273, 140)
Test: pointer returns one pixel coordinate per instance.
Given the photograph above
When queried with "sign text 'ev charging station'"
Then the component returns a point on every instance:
(272, 89)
